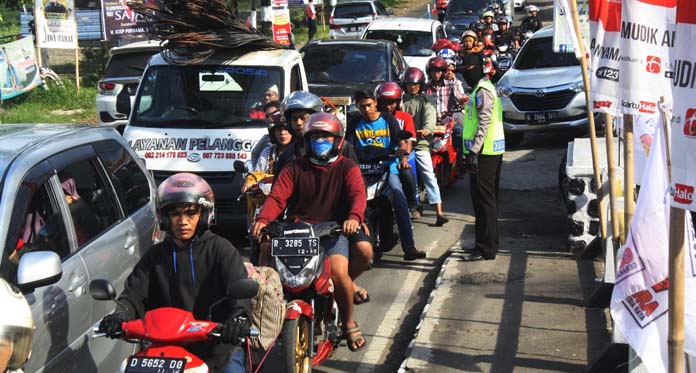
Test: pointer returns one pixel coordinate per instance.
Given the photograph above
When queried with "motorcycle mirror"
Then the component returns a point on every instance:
(101, 289)
(243, 289)
(240, 166)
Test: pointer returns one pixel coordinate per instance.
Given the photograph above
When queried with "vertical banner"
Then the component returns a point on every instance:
(564, 37)
(19, 72)
(120, 22)
(55, 24)
(281, 25)
(683, 68)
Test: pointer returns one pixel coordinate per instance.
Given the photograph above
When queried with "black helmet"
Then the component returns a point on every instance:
(276, 120)
(186, 187)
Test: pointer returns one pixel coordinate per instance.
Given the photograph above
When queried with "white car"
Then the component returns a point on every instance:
(349, 18)
(543, 90)
(121, 77)
(520, 4)
(414, 37)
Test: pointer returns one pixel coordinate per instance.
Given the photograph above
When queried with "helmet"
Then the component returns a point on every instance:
(436, 63)
(388, 90)
(276, 120)
(447, 54)
(413, 75)
(480, 27)
(532, 8)
(323, 122)
(502, 19)
(488, 13)
(471, 34)
(451, 62)
(300, 100)
(185, 187)
(16, 326)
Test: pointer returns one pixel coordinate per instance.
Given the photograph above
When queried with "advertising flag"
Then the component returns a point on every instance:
(55, 24)
(565, 39)
(281, 25)
(120, 22)
(19, 72)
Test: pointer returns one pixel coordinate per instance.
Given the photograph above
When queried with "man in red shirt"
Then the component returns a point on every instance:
(311, 16)
(324, 186)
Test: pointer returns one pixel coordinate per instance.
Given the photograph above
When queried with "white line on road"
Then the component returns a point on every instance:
(384, 337)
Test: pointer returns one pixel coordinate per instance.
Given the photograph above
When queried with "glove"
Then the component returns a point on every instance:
(111, 325)
(234, 330)
(471, 162)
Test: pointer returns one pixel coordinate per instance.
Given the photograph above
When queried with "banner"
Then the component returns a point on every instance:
(120, 22)
(55, 24)
(281, 25)
(639, 303)
(19, 72)
(564, 38)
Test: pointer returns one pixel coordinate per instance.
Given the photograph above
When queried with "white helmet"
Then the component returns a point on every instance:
(16, 328)
(532, 8)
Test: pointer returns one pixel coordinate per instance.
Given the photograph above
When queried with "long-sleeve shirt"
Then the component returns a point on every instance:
(484, 109)
(444, 94)
(424, 114)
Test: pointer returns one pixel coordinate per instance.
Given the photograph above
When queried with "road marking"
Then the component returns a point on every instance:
(384, 336)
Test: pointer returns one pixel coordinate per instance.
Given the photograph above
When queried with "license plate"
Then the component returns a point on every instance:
(356, 29)
(295, 246)
(541, 117)
(147, 364)
(371, 168)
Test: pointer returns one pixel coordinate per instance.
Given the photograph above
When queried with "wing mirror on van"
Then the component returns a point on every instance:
(101, 289)
(240, 166)
(37, 269)
(123, 102)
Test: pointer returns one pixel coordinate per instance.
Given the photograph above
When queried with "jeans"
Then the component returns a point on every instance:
(410, 188)
(235, 364)
(426, 173)
(403, 218)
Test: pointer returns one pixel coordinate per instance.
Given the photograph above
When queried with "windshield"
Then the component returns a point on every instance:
(411, 43)
(325, 64)
(126, 65)
(353, 10)
(203, 96)
(465, 6)
(538, 53)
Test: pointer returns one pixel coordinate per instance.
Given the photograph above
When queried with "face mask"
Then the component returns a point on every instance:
(321, 147)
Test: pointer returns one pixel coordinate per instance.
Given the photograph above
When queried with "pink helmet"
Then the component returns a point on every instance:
(186, 187)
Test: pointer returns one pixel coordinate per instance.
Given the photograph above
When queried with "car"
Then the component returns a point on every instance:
(121, 77)
(462, 13)
(341, 67)
(414, 37)
(520, 4)
(349, 18)
(77, 204)
(542, 91)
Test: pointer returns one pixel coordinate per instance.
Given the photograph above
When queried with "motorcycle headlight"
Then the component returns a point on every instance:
(578, 86)
(504, 90)
(302, 279)
(437, 144)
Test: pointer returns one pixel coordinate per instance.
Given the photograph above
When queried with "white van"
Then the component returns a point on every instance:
(196, 117)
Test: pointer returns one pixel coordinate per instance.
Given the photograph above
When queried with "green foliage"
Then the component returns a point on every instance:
(37, 105)
(9, 22)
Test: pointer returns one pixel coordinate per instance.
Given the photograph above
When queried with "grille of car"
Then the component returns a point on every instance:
(550, 101)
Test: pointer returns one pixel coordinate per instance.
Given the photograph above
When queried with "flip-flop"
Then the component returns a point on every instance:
(352, 341)
(358, 297)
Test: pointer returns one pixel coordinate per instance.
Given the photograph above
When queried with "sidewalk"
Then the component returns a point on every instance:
(521, 312)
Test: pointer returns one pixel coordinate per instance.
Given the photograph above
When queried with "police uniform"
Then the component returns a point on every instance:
(483, 134)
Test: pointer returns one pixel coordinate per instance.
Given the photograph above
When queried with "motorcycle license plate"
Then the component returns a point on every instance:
(148, 364)
(295, 246)
(542, 117)
(371, 168)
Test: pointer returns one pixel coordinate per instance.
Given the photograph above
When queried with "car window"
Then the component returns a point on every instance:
(92, 205)
(538, 53)
(396, 66)
(381, 10)
(130, 182)
(411, 43)
(356, 10)
(295, 78)
(127, 65)
(467, 6)
(338, 63)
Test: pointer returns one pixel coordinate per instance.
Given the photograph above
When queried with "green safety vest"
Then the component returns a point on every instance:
(494, 143)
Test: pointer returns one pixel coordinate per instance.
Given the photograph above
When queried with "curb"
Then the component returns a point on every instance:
(426, 308)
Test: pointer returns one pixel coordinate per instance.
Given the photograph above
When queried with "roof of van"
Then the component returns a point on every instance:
(403, 23)
(275, 57)
(148, 45)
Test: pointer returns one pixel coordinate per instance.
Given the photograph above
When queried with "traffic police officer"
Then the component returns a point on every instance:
(484, 145)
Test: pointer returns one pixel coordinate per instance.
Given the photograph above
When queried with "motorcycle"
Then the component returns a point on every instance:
(305, 272)
(505, 57)
(261, 184)
(166, 330)
(443, 152)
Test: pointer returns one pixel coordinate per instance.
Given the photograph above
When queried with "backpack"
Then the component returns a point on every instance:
(268, 306)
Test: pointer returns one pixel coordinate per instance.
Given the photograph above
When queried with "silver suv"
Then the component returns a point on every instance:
(348, 19)
(76, 201)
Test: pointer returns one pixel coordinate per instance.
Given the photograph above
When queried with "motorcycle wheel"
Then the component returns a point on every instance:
(296, 345)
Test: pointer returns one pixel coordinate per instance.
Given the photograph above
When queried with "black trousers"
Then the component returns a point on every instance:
(484, 196)
(311, 28)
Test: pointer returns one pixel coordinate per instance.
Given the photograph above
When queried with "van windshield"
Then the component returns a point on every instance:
(411, 43)
(204, 96)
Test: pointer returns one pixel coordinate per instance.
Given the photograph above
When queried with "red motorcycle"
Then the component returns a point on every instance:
(165, 330)
(310, 332)
(443, 152)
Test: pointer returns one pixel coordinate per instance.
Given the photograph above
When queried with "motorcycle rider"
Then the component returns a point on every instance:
(16, 329)
(320, 186)
(504, 36)
(487, 18)
(424, 113)
(441, 6)
(469, 39)
(448, 97)
(280, 136)
(190, 270)
(531, 22)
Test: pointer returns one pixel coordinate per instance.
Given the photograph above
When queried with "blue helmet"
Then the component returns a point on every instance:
(447, 54)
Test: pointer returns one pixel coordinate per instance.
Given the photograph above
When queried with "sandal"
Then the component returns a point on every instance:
(353, 342)
(361, 296)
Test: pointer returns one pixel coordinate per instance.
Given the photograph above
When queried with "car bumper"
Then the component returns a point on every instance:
(341, 34)
(107, 114)
(571, 116)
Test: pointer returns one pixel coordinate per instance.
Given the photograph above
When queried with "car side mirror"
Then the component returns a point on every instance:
(123, 103)
(240, 166)
(243, 289)
(37, 269)
(101, 289)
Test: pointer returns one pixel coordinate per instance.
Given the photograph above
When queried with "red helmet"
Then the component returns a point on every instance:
(436, 63)
(323, 122)
(388, 91)
(185, 187)
(413, 75)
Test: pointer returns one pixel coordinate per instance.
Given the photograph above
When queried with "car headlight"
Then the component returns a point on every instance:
(504, 90)
(302, 279)
(578, 86)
